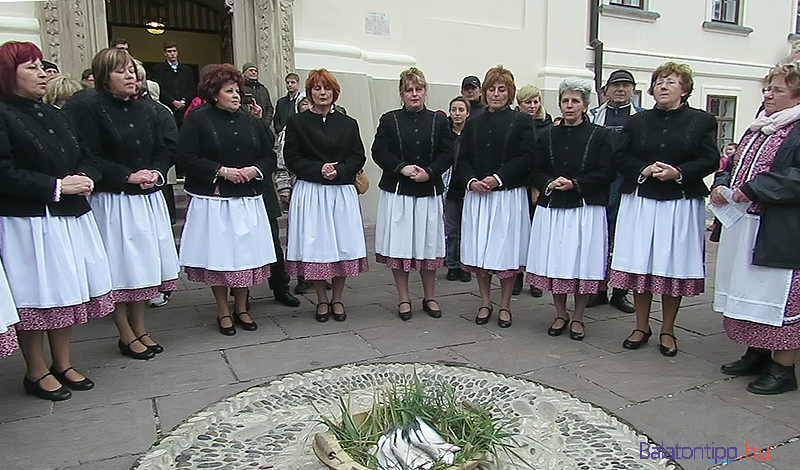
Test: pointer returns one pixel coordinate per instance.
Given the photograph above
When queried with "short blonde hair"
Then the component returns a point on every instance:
(59, 89)
(529, 92)
(681, 70)
(791, 73)
(501, 75)
(413, 75)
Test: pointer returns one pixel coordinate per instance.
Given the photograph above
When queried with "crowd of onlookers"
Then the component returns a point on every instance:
(611, 196)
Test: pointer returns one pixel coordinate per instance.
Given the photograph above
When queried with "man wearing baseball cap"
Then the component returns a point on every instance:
(255, 91)
(613, 114)
(471, 91)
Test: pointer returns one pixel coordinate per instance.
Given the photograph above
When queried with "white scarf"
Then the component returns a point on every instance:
(777, 120)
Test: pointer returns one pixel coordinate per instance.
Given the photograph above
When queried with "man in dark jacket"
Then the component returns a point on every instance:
(471, 90)
(287, 105)
(255, 91)
(176, 81)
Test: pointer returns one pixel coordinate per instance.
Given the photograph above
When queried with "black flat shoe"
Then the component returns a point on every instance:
(574, 335)
(552, 331)
(322, 317)
(126, 350)
(301, 287)
(405, 316)
(32, 387)
(479, 320)
(338, 316)
(246, 325)
(464, 276)
(622, 304)
(227, 331)
(775, 379)
(666, 351)
(286, 298)
(503, 323)
(85, 384)
(630, 344)
(156, 348)
(536, 292)
(517, 289)
(433, 313)
(601, 298)
(753, 362)
(452, 274)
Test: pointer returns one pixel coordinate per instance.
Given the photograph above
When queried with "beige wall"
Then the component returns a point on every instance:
(194, 48)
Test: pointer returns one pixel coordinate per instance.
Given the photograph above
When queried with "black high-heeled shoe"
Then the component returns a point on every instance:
(338, 316)
(322, 317)
(85, 384)
(126, 350)
(575, 335)
(666, 351)
(503, 323)
(405, 316)
(226, 330)
(433, 313)
(479, 320)
(552, 331)
(246, 325)
(32, 387)
(156, 348)
(630, 344)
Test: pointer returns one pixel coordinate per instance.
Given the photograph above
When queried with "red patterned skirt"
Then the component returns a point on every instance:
(656, 285)
(411, 264)
(565, 286)
(231, 279)
(324, 271)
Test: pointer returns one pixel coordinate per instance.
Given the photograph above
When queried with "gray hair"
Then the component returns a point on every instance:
(576, 84)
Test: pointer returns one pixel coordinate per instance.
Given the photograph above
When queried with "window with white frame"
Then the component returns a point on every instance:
(724, 109)
(726, 11)
(628, 3)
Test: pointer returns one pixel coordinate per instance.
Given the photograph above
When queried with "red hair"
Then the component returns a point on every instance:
(216, 76)
(12, 55)
(324, 78)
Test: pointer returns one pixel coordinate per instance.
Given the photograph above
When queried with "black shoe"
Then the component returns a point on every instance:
(517, 285)
(33, 388)
(434, 313)
(557, 331)
(536, 292)
(286, 298)
(621, 303)
(666, 351)
(630, 344)
(453, 274)
(322, 317)
(227, 331)
(338, 316)
(479, 320)
(753, 362)
(405, 316)
(503, 323)
(246, 326)
(601, 298)
(465, 276)
(775, 379)
(574, 335)
(302, 286)
(126, 350)
(156, 348)
(85, 384)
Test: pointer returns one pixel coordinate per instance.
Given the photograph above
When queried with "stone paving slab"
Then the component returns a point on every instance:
(785, 457)
(302, 323)
(174, 408)
(781, 408)
(116, 463)
(562, 379)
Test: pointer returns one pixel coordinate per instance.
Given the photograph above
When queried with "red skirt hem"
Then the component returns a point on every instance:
(144, 293)
(61, 317)
(565, 286)
(232, 279)
(657, 285)
(505, 274)
(325, 271)
(407, 265)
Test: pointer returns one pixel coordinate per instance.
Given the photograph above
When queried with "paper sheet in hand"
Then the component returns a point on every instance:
(730, 212)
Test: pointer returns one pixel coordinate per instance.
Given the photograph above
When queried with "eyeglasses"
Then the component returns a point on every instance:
(668, 81)
(774, 89)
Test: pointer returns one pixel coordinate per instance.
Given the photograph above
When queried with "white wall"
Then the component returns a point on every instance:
(18, 22)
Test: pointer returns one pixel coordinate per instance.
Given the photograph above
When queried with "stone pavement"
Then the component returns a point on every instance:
(683, 400)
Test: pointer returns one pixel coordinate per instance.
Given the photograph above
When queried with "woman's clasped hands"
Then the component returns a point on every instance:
(561, 184)
(238, 175)
(146, 179)
(77, 184)
(661, 171)
(416, 173)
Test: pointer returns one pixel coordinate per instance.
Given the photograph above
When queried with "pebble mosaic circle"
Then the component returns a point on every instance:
(271, 426)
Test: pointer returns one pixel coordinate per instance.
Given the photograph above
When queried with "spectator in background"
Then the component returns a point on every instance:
(87, 78)
(471, 90)
(256, 91)
(454, 195)
(119, 43)
(176, 81)
(50, 69)
(284, 179)
(287, 105)
(59, 90)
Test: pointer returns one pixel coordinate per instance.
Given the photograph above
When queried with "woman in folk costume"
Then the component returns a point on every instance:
(494, 160)
(413, 146)
(569, 235)
(326, 240)
(758, 263)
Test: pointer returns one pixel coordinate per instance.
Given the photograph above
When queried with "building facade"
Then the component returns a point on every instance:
(730, 44)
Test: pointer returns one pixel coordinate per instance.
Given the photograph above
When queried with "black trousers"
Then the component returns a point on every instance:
(278, 279)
